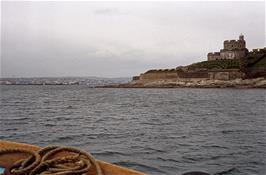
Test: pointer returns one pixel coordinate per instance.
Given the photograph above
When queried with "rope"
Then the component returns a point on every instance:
(45, 162)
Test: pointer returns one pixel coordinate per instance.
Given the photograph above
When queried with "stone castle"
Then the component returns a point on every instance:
(233, 52)
(233, 49)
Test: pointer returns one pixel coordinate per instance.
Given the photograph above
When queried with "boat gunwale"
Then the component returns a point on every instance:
(107, 168)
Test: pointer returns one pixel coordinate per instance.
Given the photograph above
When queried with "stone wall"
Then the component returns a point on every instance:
(233, 44)
(233, 54)
(158, 74)
(194, 75)
(219, 75)
(258, 51)
(213, 56)
(172, 74)
(225, 74)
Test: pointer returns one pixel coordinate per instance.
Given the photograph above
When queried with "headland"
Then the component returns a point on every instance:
(233, 67)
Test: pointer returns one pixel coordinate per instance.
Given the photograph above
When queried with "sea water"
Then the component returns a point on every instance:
(157, 131)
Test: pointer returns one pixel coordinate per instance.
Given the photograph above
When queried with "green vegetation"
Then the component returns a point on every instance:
(261, 63)
(215, 64)
(253, 61)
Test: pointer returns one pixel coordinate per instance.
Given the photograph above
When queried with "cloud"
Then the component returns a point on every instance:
(107, 11)
(119, 38)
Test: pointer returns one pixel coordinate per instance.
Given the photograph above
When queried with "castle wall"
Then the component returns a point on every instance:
(233, 54)
(241, 53)
(225, 75)
(214, 56)
(228, 74)
(228, 55)
(258, 51)
(235, 74)
(194, 75)
(156, 75)
(233, 44)
(219, 75)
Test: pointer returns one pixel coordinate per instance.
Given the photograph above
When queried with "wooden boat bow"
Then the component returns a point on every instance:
(7, 160)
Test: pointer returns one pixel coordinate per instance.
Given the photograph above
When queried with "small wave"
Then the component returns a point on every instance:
(17, 123)
(156, 150)
(214, 146)
(11, 129)
(49, 125)
(237, 131)
(189, 159)
(63, 118)
(70, 137)
(109, 153)
(64, 138)
(142, 167)
(230, 171)
(17, 119)
(168, 160)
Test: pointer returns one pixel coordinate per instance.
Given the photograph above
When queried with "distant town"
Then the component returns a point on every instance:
(88, 81)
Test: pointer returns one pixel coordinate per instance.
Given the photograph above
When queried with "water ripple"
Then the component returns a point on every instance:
(157, 131)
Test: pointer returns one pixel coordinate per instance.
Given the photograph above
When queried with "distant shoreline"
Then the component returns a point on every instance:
(237, 84)
(254, 83)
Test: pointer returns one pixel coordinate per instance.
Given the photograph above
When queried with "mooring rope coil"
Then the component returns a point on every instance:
(44, 162)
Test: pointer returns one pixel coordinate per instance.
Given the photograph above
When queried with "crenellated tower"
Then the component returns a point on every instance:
(233, 49)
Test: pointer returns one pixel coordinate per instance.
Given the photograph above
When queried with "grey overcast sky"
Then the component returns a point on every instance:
(119, 39)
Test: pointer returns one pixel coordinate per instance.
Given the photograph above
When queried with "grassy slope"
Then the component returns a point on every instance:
(251, 61)
(215, 64)
(261, 63)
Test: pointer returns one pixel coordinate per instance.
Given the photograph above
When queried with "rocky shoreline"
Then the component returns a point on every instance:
(237, 83)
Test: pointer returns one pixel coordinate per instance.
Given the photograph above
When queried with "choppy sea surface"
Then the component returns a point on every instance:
(157, 131)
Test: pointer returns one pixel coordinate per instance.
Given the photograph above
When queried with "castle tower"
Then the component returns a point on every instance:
(241, 37)
(233, 49)
(242, 41)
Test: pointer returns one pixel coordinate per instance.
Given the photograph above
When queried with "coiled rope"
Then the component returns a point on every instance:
(45, 162)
